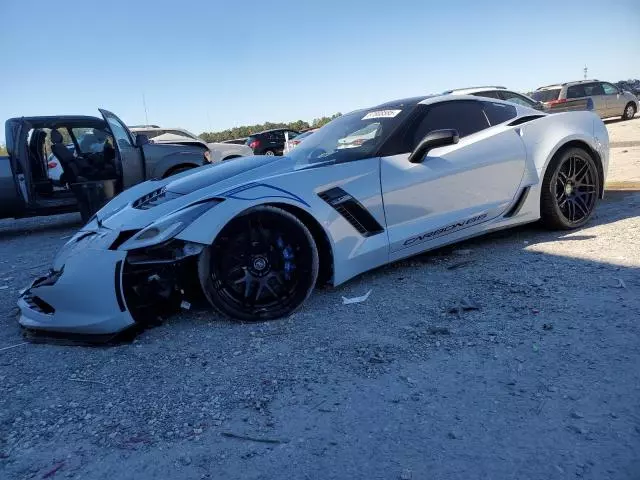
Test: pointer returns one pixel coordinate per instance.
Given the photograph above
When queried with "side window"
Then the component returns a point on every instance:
(120, 134)
(591, 89)
(576, 91)
(517, 99)
(152, 133)
(292, 134)
(464, 116)
(609, 89)
(499, 112)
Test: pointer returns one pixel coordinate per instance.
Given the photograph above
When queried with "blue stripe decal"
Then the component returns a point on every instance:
(233, 193)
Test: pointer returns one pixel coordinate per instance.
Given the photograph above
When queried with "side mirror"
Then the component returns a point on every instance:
(434, 139)
(141, 140)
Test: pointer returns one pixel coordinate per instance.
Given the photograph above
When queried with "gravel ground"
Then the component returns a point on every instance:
(515, 355)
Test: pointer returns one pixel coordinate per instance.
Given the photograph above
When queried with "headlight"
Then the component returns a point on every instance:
(167, 227)
(207, 156)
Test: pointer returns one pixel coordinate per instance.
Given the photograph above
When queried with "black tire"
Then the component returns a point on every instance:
(269, 153)
(570, 190)
(263, 265)
(629, 111)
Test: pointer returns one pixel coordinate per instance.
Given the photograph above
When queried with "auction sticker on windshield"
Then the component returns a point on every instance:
(381, 114)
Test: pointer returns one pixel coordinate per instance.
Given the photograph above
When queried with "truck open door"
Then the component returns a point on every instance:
(16, 130)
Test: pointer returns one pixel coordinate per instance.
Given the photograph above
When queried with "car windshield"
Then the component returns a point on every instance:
(545, 96)
(353, 136)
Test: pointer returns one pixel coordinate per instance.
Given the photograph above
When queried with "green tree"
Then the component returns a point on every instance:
(3, 149)
(245, 131)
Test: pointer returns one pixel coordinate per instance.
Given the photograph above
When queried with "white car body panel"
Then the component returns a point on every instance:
(456, 192)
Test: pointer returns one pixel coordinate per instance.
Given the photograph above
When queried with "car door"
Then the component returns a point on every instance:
(615, 101)
(131, 158)
(16, 131)
(596, 93)
(454, 187)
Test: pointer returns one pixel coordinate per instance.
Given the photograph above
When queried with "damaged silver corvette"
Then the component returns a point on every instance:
(374, 186)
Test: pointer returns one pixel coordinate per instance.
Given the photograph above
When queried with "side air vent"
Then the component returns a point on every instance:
(519, 202)
(528, 118)
(154, 198)
(352, 211)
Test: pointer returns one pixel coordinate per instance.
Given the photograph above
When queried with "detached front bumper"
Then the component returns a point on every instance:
(83, 295)
(94, 289)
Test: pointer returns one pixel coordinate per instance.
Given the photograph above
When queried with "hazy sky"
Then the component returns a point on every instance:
(210, 65)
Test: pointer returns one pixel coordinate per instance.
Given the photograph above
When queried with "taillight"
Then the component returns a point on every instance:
(556, 102)
(255, 144)
(52, 164)
(295, 142)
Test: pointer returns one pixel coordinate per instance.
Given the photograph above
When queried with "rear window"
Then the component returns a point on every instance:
(545, 96)
(499, 112)
(250, 139)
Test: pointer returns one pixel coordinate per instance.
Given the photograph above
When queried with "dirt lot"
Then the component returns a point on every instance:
(542, 381)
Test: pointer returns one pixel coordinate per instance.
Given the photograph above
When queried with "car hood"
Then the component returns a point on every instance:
(195, 185)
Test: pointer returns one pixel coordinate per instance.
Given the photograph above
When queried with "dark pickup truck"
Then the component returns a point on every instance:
(90, 150)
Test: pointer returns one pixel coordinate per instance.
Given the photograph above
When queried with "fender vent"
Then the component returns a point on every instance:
(39, 305)
(352, 211)
(518, 204)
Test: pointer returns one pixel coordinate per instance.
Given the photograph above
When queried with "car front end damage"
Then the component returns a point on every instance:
(105, 282)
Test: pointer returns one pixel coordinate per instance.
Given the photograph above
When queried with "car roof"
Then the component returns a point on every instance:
(70, 120)
(462, 91)
(560, 85)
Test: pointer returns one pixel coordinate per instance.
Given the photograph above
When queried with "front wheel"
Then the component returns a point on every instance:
(263, 265)
(629, 111)
(269, 153)
(569, 190)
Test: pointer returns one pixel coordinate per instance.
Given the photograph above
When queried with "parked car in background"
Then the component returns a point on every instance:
(632, 86)
(218, 151)
(87, 150)
(293, 143)
(501, 93)
(604, 98)
(270, 142)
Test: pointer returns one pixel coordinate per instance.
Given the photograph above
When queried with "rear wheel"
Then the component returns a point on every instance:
(629, 111)
(270, 153)
(263, 265)
(569, 190)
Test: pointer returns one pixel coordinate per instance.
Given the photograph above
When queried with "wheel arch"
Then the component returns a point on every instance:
(171, 170)
(583, 145)
(325, 251)
(231, 157)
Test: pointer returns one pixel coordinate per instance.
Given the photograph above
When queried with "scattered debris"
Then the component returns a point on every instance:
(406, 474)
(185, 305)
(462, 263)
(53, 471)
(4, 287)
(253, 439)
(465, 305)
(82, 380)
(576, 415)
(439, 331)
(620, 284)
(535, 311)
(547, 326)
(13, 346)
(536, 348)
(363, 298)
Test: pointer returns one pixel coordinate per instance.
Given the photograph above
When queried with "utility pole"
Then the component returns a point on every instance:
(144, 104)
(585, 72)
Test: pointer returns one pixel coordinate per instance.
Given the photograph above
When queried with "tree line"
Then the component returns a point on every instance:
(245, 131)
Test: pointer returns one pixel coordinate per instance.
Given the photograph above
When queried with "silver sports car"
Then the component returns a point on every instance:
(257, 234)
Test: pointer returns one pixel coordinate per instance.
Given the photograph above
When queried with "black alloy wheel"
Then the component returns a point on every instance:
(263, 265)
(570, 190)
